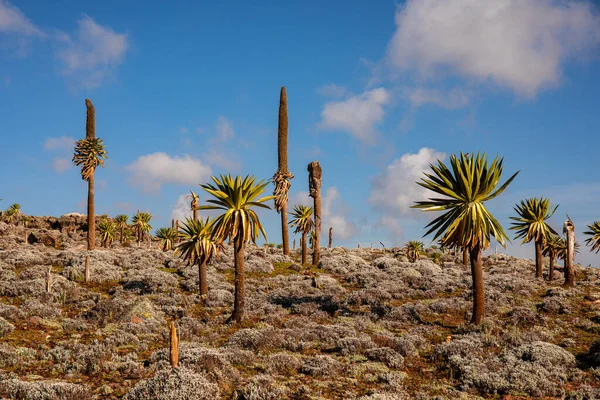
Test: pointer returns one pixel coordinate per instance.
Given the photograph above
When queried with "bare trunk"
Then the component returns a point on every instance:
(330, 237)
(202, 281)
(195, 214)
(174, 346)
(551, 267)
(238, 305)
(91, 234)
(282, 163)
(122, 231)
(538, 259)
(315, 180)
(294, 244)
(87, 268)
(304, 250)
(478, 292)
(49, 280)
(465, 257)
(569, 231)
(284, 231)
(90, 133)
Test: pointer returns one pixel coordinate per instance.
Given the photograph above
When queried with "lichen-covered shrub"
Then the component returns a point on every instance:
(5, 327)
(538, 369)
(388, 356)
(175, 384)
(321, 365)
(16, 389)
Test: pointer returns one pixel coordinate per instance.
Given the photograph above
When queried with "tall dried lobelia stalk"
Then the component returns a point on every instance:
(315, 180)
(282, 177)
(89, 154)
(569, 232)
(174, 346)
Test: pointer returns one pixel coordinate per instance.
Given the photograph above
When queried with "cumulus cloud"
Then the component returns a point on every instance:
(93, 53)
(59, 143)
(392, 224)
(61, 165)
(332, 90)
(182, 209)
(12, 20)
(357, 115)
(333, 212)
(517, 44)
(395, 190)
(152, 170)
(224, 129)
(451, 100)
(227, 161)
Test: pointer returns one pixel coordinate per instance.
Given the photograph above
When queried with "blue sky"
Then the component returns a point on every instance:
(376, 91)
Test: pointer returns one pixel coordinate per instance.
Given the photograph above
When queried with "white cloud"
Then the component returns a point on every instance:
(392, 224)
(356, 115)
(92, 53)
(451, 100)
(59, 143)
(183, 130)
(301, 197)
(224, 129)
(61, 165)
(395, 190)
(152, 170)
(12, 20)
(516, 44)
(181, 209)
(229, 162)
(333, 212)
(333, 90)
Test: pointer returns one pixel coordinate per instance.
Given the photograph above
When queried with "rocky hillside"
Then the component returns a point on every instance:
(363, 325)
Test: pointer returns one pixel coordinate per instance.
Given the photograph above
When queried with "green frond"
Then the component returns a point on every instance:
(464, 186)
(236, 196)
(197, 244)
(594, 236)
(531, 221)
(302, 218)
(89, 154)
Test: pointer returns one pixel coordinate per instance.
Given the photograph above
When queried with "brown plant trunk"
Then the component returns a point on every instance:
(478, 291)
(282, 162)
(174, 346)
(90, 133)
(122, 231)
(87, 268)
(465, 257)
(330, 237)
(294, 248)
(240, 290)
(551, 267)
(195, 214)
(538, 259)
(304, 250)
(315, 180)
(49, 280)
(91, 234)
(569, 231)
(202, 281)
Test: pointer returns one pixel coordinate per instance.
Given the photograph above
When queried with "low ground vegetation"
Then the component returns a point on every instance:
(362, 325)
